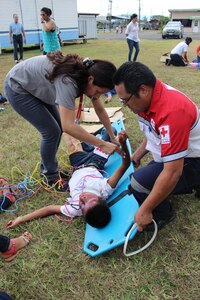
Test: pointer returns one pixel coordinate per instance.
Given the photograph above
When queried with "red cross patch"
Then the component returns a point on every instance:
(164, 134)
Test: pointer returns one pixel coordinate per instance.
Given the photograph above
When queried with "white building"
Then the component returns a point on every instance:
(64, 13)
(87, 25)
(190, 18)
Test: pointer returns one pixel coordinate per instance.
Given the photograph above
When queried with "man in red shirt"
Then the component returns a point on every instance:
(170, 122)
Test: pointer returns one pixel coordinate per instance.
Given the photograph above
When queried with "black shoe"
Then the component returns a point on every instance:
(65, 174)
(161, 222)
(58, 185)
(2, 99)
(197, 191)
(168, 62)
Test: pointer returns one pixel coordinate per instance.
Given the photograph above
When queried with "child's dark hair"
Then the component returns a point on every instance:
(47, 11)
(72, 66)
(99, 215)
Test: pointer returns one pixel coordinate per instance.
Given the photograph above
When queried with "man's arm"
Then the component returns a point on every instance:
(139, 153)
(10, 33)
(24, 35)
(163, 186)
(113, 180)
(39, 213)
(185, 57)
(104, 119)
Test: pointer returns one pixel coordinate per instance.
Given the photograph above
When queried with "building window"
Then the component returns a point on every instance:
(196, 23)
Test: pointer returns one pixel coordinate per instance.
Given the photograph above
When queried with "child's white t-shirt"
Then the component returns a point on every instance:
(87, 179)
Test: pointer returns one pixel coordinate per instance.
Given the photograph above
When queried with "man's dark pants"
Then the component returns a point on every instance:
(18, 40)
(177, 60)
(143, 179)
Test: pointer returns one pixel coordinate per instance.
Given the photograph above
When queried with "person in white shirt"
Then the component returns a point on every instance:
(179, 54)
(88, 188)
(132, 37)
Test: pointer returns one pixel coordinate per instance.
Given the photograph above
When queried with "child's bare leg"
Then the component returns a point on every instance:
(73, 145)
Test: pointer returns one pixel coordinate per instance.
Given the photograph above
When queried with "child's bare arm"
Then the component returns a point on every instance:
(39, 213)
(113, 180)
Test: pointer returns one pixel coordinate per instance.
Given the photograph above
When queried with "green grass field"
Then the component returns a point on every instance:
(53, 266)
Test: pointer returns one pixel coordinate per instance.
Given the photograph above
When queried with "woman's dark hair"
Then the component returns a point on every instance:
(133, 75)
(72, 66)
(99, 215)
(47, 11)
(133, 16)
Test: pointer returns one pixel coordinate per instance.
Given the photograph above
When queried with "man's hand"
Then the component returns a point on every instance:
(135, 160)
(143, 218)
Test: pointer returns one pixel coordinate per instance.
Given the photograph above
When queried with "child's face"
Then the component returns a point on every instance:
(87, 200)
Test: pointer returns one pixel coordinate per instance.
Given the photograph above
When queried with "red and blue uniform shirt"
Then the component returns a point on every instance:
(171, 125)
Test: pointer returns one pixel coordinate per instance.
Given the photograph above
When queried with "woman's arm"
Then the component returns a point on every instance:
(49, 25)
(104, 119)
(69, 126)
(39, 213)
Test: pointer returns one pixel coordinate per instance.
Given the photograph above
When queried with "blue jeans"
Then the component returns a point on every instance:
(18, 41)
(46, 119)
(132, 44)
(82, 159)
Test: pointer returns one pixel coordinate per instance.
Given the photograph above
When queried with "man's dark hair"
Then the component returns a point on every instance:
(99, 215)
(188, 40)
(133, 75)
(47, 11)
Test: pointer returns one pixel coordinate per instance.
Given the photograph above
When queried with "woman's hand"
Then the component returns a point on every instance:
(109, 148)
(115, 140)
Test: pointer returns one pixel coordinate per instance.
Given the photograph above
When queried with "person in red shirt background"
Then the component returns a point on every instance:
(198, 54)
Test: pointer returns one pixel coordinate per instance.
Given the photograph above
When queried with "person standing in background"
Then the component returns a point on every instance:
(132, 37)
(16, 30)
(49, 32)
